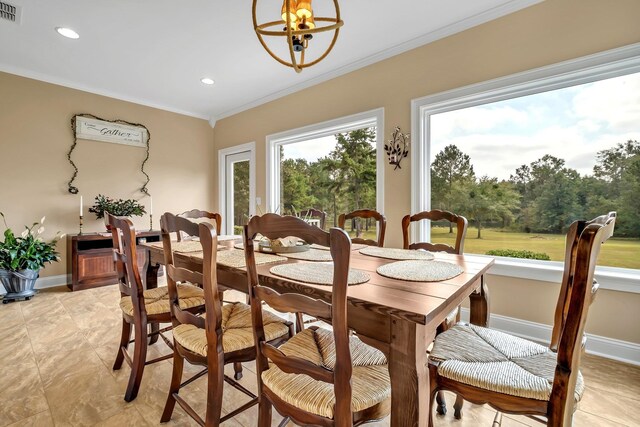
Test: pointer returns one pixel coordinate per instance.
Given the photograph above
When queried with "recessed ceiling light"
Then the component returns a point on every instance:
(67, 32)
(207, 81)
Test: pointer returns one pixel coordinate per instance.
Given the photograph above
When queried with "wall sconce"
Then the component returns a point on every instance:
(398, 147)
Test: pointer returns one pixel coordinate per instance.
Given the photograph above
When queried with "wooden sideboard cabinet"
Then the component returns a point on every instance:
(90, 258)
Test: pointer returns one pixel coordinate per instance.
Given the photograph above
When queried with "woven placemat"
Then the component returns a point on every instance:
(184, 246)
(420, 271)
(318, 274)
(235, 258)
(354, 247)
(395, 253)
(310, 255)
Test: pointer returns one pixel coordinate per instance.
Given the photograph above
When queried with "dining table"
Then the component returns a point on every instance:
(398, 317)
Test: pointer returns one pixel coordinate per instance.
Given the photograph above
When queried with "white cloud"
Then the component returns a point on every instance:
(475, 119)
(614, 103)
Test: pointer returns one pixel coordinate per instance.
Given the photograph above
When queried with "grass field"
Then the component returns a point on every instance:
(616, 252)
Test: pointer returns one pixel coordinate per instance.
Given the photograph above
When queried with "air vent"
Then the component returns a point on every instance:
(9, 12)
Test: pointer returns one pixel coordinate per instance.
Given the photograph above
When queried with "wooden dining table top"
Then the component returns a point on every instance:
(414, 301)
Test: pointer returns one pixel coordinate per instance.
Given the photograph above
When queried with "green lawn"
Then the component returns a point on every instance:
(616, 252)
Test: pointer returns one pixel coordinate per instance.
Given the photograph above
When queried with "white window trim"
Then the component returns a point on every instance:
(318, 130)
(608, 64)
(222, 178)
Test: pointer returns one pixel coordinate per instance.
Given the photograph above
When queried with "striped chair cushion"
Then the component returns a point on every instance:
(156, 301)
(237, 330)
(369, 381)
(498, 362)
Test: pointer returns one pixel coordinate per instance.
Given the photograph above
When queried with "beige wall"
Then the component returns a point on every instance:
(550, 32)
(35, 136)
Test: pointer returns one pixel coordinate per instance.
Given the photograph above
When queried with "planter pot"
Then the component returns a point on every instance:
(18, 284)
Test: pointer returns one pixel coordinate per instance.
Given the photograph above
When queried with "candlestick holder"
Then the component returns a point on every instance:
(150, 222)
(80, 233)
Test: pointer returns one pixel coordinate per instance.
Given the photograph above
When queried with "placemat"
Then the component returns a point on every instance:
(420, 271)
(354, 247)
(395, 253)
(184, 246)
(310, 255)
(235, 258)
(319, 274)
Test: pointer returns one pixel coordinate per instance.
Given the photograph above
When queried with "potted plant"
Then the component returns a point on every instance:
(118, 207)
(22, 257)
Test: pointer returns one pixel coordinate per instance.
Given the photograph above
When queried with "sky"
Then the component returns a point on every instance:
(572, 123)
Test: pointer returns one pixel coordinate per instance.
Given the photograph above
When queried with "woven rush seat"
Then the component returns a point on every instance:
(237, 330)
(498, 362)
(156, 301)
(370, 379)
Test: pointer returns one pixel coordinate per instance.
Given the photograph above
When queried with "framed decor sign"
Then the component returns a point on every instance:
(118, 133)
(90, 127)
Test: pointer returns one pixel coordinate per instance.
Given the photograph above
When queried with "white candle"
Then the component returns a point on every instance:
(80, 205)
(150, 205)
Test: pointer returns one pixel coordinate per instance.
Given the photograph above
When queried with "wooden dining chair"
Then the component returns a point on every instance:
(314, 214)
(366, 214)
(319, 377)
(461, 231)
(223, 336)
(517, 376)
(196, 214)
(436, 215)
(141, 308)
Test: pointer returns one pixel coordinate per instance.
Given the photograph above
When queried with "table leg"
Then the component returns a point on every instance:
(410, 404)
(479, 305)
(151, 279)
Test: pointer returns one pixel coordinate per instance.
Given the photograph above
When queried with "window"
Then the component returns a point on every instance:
(335, 167)
(523, 156)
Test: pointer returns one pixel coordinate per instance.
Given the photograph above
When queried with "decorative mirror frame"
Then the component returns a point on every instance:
(74, 190)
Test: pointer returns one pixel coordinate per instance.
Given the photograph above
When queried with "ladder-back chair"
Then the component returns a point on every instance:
(319, 377)
(366, 214)
(436, 215)
(221, 337)
(517, 376)
(141, 308)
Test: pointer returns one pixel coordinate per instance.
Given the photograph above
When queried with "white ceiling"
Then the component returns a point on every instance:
(154, 52)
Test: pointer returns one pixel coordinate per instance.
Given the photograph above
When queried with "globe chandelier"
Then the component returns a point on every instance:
(297, 26)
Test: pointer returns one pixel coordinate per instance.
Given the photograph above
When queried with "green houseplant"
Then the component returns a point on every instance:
(22, 257)
(117, 207)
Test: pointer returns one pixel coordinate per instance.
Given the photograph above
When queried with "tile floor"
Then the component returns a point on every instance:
(57, 351)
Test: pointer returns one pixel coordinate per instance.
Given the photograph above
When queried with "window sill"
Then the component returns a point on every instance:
(611, 278)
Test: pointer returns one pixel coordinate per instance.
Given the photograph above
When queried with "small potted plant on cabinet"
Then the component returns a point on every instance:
(117, 207)
(22, 257)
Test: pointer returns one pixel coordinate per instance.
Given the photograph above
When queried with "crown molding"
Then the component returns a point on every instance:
(456, 27)
(10, 69)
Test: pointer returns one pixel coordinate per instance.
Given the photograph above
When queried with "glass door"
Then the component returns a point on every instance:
(238, 192)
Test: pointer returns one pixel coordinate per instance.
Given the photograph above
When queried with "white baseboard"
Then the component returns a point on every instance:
(611, 348)
(47, 282)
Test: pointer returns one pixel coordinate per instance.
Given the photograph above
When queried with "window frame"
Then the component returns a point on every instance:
(587, 69)
(327, 128)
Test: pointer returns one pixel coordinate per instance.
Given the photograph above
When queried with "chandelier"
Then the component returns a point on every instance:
(298, 26)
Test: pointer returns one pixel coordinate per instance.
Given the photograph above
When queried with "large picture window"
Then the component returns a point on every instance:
(524, 156)
(335, 167)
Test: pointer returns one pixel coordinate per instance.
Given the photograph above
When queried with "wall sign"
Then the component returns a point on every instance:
(100, 130)
(88, 126)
